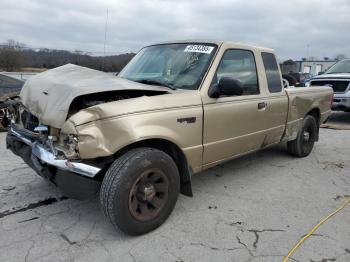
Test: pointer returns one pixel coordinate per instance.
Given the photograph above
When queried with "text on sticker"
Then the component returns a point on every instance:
(199, 49)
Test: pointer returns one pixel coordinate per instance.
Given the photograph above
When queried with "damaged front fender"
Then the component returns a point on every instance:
(104, 129)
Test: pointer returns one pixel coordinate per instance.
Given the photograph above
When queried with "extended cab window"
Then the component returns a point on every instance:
(239, 65)
(272, 73)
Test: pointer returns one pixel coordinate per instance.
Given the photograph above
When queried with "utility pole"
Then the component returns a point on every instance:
(104, 44)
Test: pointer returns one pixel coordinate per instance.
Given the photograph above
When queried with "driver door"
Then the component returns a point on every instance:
(234, 125)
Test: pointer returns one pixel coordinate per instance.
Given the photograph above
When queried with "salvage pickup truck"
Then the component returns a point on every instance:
(176, 109)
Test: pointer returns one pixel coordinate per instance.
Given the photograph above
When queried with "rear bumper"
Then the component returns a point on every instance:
(75, 179)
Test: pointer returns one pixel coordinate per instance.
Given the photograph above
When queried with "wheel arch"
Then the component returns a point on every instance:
(316, 113)
(174, 151)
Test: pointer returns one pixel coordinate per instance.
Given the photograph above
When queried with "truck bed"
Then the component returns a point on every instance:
(303, 100)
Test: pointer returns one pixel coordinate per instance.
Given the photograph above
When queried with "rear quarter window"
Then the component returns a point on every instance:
(272, 73)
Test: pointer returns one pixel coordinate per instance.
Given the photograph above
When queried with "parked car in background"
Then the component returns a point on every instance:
(9, 90)
(337, 77)
(296, 79)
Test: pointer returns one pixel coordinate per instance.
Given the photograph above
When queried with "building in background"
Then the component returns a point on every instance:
(313, 67)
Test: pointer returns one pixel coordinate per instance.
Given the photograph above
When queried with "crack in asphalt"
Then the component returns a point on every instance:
(245, 246)
(347, 251)
(30, 219)
(67, 239)
(16, 169)
(8, 189)
(203, 245)
(236, 223)
(28, 252)
(331, 164)
(256, 233)
(46, 202)
(340, 197)
(214, 248)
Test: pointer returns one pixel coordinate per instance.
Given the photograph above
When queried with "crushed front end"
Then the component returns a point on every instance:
(44, 124)
(52, 156)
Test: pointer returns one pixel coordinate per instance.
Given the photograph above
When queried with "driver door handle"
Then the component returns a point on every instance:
(262, 105)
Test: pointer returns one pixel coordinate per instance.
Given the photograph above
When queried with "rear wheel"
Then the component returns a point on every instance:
(285, 83)
(291, 80)
(304, 143)
(140, 190)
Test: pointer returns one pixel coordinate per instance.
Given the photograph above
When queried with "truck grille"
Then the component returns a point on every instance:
(29, 121)
(339, 86)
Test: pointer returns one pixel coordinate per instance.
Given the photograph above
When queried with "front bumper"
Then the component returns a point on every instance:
(74, 178)
(341, 103)
(49, 158)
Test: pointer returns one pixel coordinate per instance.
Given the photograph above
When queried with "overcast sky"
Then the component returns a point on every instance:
(288, 26)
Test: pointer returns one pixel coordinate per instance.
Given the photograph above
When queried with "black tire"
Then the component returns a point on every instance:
(291, 80)
(121, 188)
(303, 144)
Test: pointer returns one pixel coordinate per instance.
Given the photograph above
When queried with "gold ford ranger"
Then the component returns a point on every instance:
(176, 109)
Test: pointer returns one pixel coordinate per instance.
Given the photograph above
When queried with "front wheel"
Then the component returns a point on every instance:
(140, 190)
(307, 135)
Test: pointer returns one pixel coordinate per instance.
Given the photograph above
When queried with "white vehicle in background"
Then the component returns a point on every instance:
(337, 77)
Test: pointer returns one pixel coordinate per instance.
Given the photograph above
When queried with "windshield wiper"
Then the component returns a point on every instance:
(155, 82)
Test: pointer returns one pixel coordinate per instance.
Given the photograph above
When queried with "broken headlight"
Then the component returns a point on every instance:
(68, 146)
(71, 142)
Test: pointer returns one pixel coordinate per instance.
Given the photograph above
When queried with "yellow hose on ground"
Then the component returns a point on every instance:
(345, 203)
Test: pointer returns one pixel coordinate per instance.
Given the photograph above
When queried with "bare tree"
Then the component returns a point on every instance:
(11, 55)
(14, 55)
(78, 55)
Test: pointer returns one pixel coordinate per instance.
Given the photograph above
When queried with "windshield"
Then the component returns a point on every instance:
(340, 67)
(173, 65)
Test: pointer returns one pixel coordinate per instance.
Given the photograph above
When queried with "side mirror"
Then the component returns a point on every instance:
(226, 87)
(320, 73)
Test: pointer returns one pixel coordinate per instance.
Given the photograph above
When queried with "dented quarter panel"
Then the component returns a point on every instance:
(301, 101)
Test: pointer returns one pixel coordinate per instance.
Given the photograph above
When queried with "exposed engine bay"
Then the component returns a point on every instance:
(85, 101)
(7, 110)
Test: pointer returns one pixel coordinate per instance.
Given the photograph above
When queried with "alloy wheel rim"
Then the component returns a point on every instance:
(307, 139)
(148, 195)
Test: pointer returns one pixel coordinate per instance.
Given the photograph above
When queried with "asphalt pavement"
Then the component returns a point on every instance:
(255, 208)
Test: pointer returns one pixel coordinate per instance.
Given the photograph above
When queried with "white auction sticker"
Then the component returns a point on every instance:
(199, 49)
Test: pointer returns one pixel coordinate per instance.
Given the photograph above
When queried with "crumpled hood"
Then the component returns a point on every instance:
(49, 95)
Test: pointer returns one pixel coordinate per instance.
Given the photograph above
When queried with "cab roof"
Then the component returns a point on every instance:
(216, 42)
